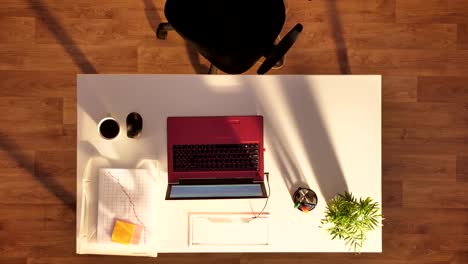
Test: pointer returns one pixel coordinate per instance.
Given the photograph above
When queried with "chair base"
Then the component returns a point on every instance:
(213, 69)
(163, 28)
(279, 64)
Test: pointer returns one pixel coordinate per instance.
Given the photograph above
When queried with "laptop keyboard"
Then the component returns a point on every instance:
(215, 157)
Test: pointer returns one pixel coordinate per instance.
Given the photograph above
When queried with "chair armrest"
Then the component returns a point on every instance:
(280, 50)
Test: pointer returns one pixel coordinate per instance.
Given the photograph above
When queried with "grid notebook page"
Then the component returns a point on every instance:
(126, 195)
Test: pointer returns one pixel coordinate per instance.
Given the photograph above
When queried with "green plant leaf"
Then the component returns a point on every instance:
(350, 219)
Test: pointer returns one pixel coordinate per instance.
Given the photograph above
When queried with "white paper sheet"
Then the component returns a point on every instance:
(127, 195)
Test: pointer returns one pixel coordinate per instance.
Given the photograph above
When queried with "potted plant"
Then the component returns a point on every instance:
(351, 219)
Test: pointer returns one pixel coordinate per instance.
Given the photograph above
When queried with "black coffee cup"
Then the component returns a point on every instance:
(109, 128)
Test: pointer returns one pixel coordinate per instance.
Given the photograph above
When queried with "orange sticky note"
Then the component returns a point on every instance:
(126, 233)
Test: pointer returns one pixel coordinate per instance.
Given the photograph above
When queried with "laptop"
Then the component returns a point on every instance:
(215, 157)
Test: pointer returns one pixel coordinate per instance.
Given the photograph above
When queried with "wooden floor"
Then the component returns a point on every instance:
(419, 46)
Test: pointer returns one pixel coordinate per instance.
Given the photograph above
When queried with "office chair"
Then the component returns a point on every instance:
(232, 34)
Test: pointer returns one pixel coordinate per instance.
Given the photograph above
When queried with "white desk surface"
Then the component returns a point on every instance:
(321, 132)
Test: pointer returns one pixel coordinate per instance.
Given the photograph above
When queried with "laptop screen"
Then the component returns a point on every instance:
(206, 191)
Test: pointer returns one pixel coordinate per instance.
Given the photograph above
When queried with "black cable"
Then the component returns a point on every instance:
(267, 174)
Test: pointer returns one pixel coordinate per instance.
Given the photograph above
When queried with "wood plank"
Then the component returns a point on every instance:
(156, 59)
(394, 62)
(304, 258)
(88, 10)
(347, 11)
(227, 258)
(10, 260)
(38, 243)
(57, 163)
(88, 3)
(460, 258)
(79, 3)
(425, 248)
(394, 253)
(69, 110)
(378, 36)
(37, 84)
(401, 36)
(418, 194)
(443, 89)
(9, 167)
(83, 31)
(77, 58)
(18, 217)
(59, 217)
(89, 259)
(9, 10)
(462, 168)
(310, 61)
(10, 57)
(377, 11)
(42, 189)
(431, 11)
(442, 222)
(421, 141)
(403, 62)
(455, 243)
(31, 115)
(424, 115)
(68, 57)
(67, 9)
(21, 217)
(462, 36)
(77, 9)
(399, 88)
(17, 29)
(419, 168)
(14, 143)
(392, 193)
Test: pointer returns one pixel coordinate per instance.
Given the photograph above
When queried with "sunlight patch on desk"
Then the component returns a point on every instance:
(92, 167)
(88, 205)
(223, 85)
(151, 165)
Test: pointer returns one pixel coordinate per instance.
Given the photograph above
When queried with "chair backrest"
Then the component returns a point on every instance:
(231, 34)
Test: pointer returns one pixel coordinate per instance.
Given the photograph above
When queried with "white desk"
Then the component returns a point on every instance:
(320, 131)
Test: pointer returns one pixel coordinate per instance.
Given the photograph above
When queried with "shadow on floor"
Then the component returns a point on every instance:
(337, 34)
(6, 144)
(44, 178)
(78, 57)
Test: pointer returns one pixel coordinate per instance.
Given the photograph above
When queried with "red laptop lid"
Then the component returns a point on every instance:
(214, 130)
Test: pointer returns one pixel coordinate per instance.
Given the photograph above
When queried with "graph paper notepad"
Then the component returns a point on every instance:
(127, 195)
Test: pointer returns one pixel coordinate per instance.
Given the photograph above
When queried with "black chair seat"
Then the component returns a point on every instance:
(232, 35)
